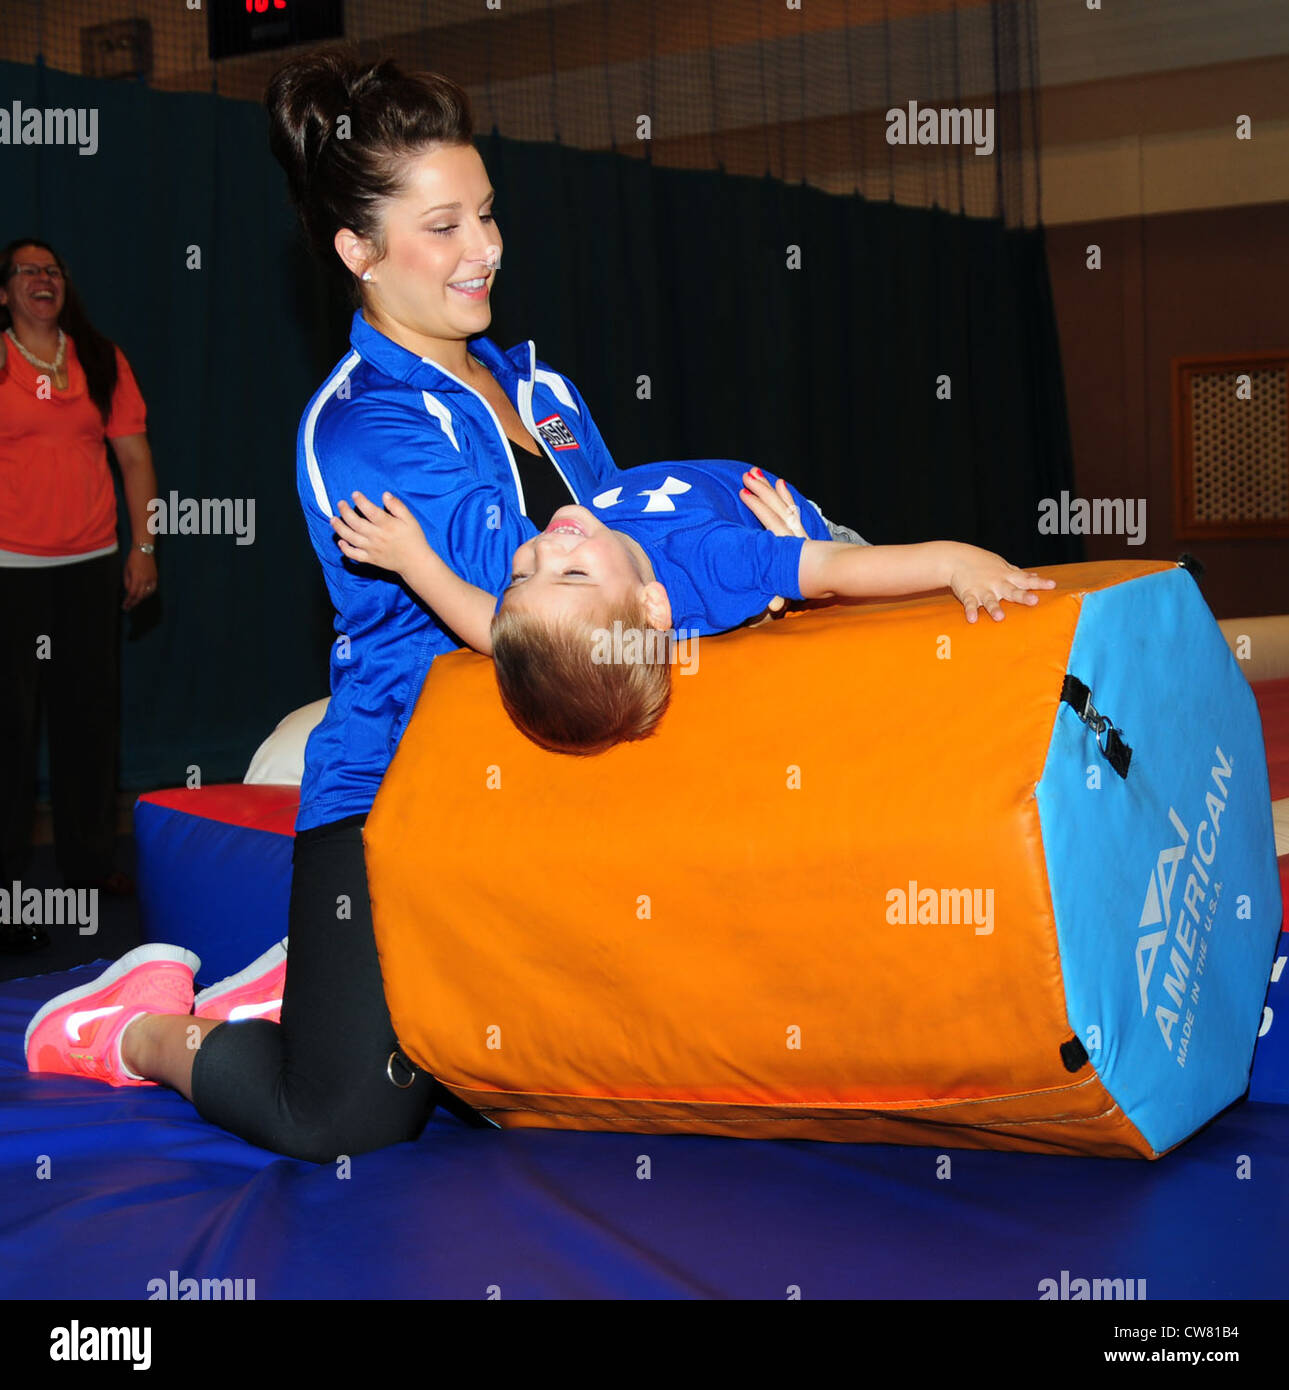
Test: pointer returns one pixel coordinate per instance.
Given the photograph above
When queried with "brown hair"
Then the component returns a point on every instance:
(97, 354)
(340, 180)
(561, 697)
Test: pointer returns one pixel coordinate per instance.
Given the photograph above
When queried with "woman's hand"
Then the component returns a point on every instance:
(773, 506)
(980, 579)
(390, 538)
(140, 578)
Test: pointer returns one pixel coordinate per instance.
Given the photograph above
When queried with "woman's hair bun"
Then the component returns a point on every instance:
(305, 98)
(339, 176)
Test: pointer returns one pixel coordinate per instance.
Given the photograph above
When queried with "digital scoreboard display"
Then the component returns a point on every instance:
(255, 26)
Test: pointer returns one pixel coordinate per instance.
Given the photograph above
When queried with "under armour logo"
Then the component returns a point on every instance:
(608, 499)
(660, 497)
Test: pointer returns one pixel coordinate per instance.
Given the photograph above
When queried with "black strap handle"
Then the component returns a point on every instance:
(1079, 698)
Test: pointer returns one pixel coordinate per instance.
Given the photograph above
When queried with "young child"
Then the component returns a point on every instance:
(694, 548)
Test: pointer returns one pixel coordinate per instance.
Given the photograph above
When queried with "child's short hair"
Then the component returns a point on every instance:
(560, 689)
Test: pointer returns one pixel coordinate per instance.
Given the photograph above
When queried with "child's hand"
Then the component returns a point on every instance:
(980, 579)
(773, 506)
(391, 539)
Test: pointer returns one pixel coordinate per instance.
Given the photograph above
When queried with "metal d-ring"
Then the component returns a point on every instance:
(1095, 721)
(389, 1071)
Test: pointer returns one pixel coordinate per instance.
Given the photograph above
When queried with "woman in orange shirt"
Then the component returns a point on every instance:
(64, 391)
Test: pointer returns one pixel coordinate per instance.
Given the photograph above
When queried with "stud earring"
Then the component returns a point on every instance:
(366, 274)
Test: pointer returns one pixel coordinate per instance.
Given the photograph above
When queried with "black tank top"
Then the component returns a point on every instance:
(544, 490)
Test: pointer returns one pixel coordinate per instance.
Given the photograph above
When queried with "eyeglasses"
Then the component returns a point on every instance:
(30, 272)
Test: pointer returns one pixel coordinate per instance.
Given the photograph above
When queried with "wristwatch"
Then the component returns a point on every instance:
(147, 549)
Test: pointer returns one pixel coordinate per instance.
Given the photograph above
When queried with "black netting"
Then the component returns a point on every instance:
(748, 86)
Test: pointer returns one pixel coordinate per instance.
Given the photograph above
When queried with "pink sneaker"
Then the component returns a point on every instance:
(255, 992)
(78, 1033)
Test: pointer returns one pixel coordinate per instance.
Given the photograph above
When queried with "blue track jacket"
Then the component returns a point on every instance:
(386, 419)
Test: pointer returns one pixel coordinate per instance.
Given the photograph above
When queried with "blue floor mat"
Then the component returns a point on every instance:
(138, 1186)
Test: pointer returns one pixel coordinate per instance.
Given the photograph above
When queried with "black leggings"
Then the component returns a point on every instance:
(316, 1086)
(77, 609)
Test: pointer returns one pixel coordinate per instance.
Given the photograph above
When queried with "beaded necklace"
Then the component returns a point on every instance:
(60, 357)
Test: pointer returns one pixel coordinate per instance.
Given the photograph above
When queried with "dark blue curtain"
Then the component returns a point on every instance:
(666, 295)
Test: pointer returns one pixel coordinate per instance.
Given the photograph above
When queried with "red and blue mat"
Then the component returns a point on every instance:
(136, 1185)
(106, 1191)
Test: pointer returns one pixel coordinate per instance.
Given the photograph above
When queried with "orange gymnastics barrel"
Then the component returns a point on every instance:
(880, 876)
